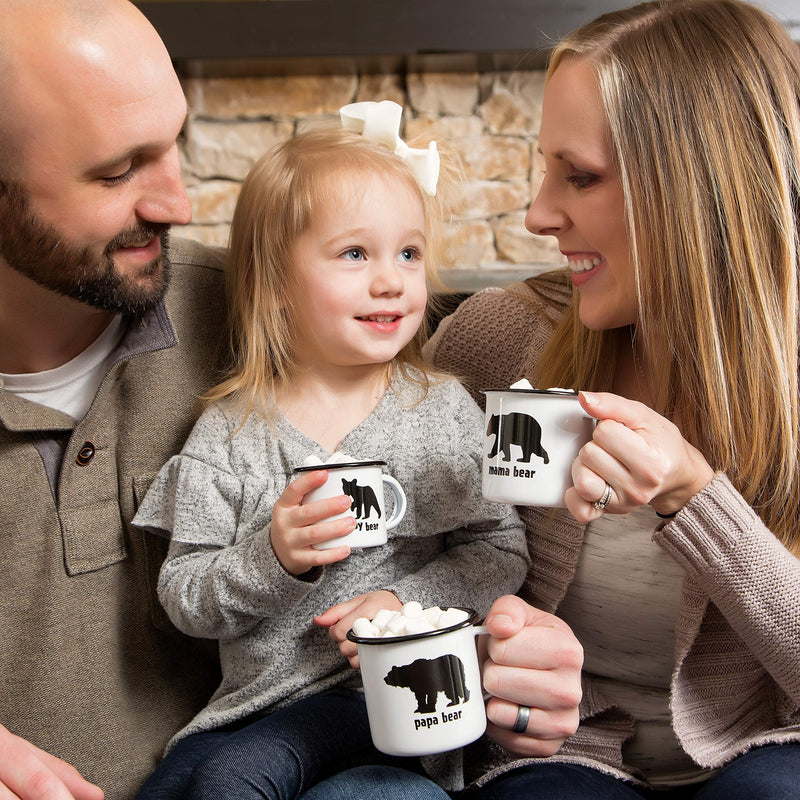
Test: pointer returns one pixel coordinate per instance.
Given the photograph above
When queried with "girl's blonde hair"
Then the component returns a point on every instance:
(275, 206)
(702, 99)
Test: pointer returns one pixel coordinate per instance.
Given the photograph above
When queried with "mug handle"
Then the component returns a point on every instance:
(399, 502)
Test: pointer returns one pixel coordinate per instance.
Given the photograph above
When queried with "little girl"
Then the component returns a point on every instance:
(332, 241)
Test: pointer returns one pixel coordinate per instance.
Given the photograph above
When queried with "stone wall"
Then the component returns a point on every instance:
(490, 118)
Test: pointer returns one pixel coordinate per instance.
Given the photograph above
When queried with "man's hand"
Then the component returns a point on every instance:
(28, 773)
(532, 659)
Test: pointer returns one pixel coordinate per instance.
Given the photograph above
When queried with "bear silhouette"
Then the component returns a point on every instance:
(426, 677)
(519, 429)
(363, 499)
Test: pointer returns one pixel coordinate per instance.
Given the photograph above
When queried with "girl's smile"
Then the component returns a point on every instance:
(382, 322)
(361, 287)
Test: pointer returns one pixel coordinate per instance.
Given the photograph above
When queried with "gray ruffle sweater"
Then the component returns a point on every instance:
(221, 579)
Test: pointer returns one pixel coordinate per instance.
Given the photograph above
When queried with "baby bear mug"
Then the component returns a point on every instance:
(423, 691)
(363, 481)
(532, 438)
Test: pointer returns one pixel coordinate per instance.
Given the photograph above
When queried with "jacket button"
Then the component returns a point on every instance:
(85, 454)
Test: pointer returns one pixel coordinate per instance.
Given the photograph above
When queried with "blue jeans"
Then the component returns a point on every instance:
(277, 756)
(765, 772)
(376, 783)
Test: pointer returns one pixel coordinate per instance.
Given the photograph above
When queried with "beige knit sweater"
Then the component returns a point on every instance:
(736, 682)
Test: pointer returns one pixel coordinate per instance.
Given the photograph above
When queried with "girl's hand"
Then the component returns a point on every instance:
(340, 618)
(531, 658)
(640, 454)
(295, 527)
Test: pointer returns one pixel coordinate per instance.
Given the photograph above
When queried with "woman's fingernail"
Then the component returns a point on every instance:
(591, 399)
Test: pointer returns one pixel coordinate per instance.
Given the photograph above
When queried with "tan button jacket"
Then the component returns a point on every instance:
(90, 668)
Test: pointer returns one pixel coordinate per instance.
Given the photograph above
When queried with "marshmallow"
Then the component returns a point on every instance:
(412, 609)
(363, 627)
(524, 383)
(383, 617)
(335, 458)
(453, 616)
(340, 458)
(397, 625)
(418, 625)
(411, 619)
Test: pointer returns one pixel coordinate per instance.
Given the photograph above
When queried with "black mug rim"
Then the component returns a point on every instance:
(340, 465)
(550, 392)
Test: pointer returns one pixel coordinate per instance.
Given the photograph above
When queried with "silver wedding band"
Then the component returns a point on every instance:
(601, 504)
(523, 715)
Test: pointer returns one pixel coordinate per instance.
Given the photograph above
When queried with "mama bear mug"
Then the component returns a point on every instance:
(532, 438)
(423, 691)
(364, 482)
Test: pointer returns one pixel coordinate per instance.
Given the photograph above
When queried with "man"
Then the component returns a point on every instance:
(101, 368)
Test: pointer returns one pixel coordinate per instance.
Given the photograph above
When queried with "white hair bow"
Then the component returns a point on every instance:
(381, 121)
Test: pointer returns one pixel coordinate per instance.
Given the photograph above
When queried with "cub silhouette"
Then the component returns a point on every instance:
(363, 498)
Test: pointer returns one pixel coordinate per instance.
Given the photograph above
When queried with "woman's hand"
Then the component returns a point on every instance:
(296, 527)
(640, 454)
(533, 659)
(340, 618)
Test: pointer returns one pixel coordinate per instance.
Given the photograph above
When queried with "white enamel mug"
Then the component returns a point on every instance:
(364, 482)
(423, 691)
(532, 438)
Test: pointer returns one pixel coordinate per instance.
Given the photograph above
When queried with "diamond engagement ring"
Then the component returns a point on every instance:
(601, 504)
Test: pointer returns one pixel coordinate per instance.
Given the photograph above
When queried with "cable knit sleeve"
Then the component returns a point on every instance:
(746, 572)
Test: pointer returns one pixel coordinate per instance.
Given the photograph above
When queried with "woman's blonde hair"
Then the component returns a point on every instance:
(276, 205)
(702, 99)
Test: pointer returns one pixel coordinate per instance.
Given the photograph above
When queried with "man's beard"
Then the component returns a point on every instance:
(38, 251)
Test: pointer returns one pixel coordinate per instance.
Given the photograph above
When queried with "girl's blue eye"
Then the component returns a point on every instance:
(353, 254)
(409, 254)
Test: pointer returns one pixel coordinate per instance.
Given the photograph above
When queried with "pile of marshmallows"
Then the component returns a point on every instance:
(412, 618)
(336, 458)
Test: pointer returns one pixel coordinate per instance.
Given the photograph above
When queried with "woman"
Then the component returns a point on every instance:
(670, 138)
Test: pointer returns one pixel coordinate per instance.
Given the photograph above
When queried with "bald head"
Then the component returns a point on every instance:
(63, 58)
(90, 177)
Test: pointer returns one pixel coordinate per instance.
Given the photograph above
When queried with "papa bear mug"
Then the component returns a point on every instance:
(423, 691)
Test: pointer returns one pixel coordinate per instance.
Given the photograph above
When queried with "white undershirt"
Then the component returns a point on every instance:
(70, 388)
(623, 606)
